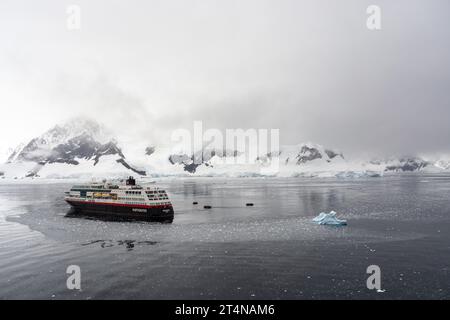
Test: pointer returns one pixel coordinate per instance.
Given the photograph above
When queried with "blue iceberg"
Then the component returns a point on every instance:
(329, 219)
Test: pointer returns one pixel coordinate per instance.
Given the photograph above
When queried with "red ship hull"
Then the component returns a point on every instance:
(119, 211)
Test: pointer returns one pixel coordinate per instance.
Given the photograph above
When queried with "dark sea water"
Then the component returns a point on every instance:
(269, 251)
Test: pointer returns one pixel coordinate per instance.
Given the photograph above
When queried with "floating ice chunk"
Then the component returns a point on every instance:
(329, 219)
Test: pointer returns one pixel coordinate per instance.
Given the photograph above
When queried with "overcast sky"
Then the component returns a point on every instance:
(310, 68)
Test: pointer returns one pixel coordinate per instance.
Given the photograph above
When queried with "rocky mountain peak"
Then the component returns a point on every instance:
(75, 140)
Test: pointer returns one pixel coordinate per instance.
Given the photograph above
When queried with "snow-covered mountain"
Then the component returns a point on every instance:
(404, 164)
(303, 154)
(305, 159)
(207, 157)
(227, 162)
(82, 148)
(77, 147)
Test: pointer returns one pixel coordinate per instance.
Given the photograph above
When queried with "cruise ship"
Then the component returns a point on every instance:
(121, 202)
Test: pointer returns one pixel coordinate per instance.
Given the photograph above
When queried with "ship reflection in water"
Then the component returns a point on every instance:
(129, 244)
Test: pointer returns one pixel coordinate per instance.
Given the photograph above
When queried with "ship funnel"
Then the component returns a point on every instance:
(130, 181)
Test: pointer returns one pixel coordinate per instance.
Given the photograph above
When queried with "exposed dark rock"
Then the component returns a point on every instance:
(332, 154)
(126, 165)
(185, 160)
(191, 163)
(149, 150)
(307, 154)
(34, 172)
(179, 158)
(108, 149)
(82, 147)
(191, 167)
(408, 164)
(303, 155)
